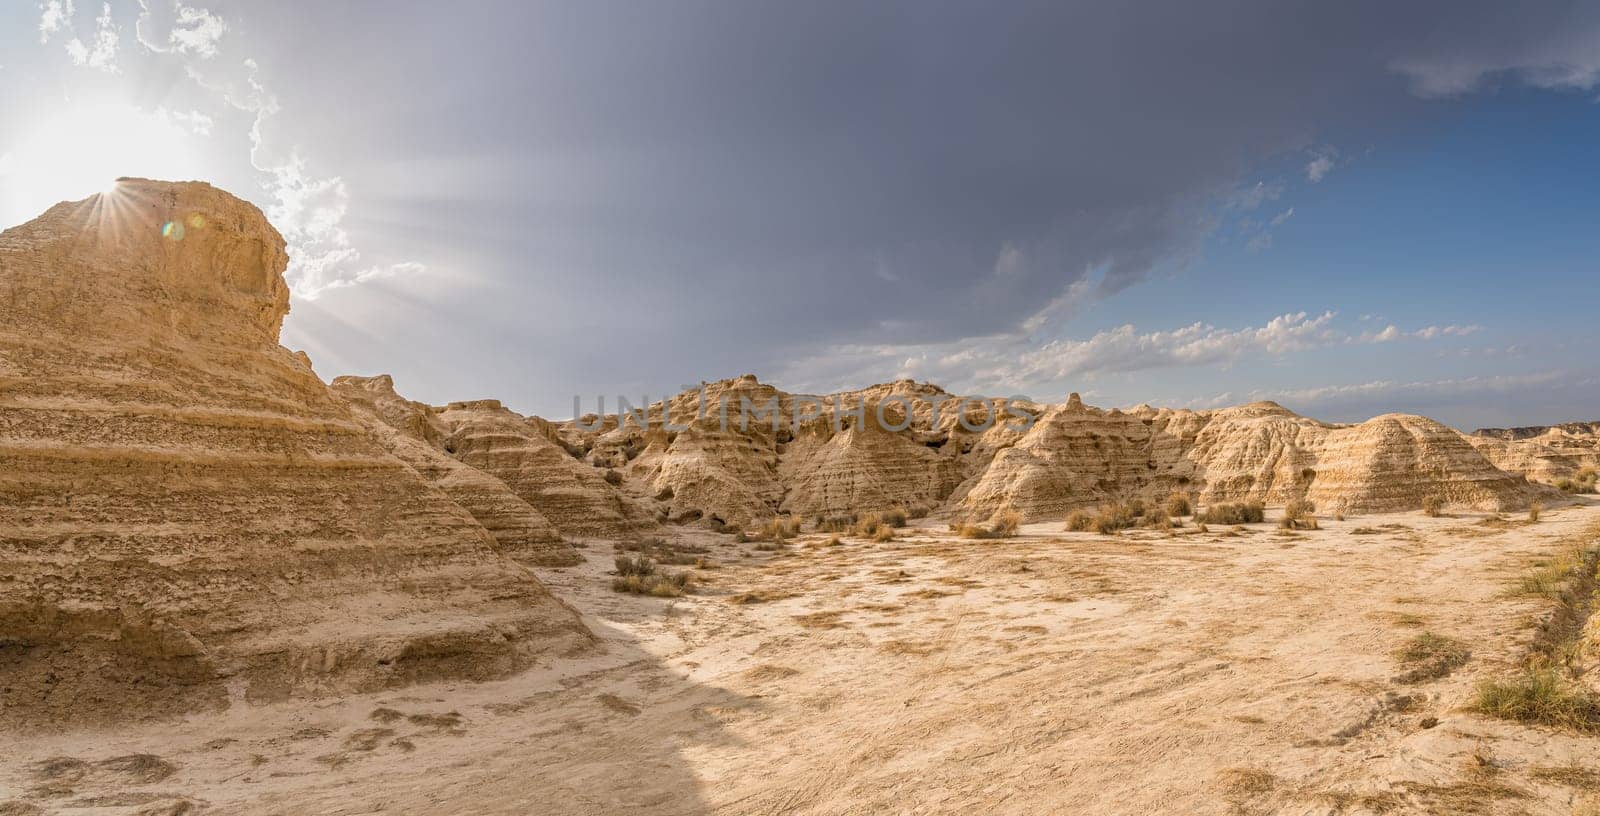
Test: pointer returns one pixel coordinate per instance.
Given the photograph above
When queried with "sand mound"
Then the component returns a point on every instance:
(574, 496)
(413, 433)
(192, 517)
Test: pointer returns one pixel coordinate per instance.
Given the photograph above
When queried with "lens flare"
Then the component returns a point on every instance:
(172, 231)
(197, 221)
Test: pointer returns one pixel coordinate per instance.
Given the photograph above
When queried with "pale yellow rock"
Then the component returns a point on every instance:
(413, 432)
(573, 495)
(1544, 453)
(188, 516)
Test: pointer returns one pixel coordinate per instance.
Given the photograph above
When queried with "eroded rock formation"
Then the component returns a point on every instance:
(413, 432)
(188, 515)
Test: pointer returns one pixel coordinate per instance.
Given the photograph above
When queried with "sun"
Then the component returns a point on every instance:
(84, 150)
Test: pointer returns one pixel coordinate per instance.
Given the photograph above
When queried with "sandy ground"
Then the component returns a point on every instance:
(1050, 673)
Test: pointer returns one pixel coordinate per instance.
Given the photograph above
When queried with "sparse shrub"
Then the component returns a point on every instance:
(779, 528)
(896, 517)
(1136, 507)
(659, 584)
(634, 565)
(833, 524)
(613, 478)
(1429, 656)
(1178, 504)
(1203, 528)
(1533, 512)
(1297, 515)
(1433, 506)
(834, 541)
(974, 531)
(1251, 512)
(1583, 482)
(867, 526)
(1543, 695)
(1079, 520)
(740, 537)
(884, 533)
(1113, 518)
(1157, 521)
(1005, 524)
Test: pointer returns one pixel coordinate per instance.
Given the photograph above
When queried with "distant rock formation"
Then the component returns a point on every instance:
(190, 516)
(963, 462)
(573, 495)
(413, 432)
(1546, 453)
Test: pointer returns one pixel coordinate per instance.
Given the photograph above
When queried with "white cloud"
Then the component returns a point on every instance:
(307, 208)
(1277, 220)
(102, 54)
(1389, 388)
(1322, 163)
(169, 25)
(1568, 59)
(54, 15)
(1016, 360)
(197, 122)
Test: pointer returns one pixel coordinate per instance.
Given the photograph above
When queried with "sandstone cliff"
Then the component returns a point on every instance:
(573, 495)
(414, 433)
(188, 516)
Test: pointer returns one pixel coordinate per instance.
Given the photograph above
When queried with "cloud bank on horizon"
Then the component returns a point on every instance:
(1360, 207)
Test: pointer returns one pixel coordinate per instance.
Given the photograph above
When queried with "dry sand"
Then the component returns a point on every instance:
(1050, 673)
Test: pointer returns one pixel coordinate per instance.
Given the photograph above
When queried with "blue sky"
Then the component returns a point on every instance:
(1351, 210)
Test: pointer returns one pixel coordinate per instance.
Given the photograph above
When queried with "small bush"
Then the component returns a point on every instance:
(1541, 694)
(1005, 524)
(779, 528)
(1252, 512)
(883, 534)
(660, 585)
(833, 524)
(1113, 517)
(1178, 505)
(1079, 521)
(613, 478)
(1297, 516)
(867, 526)
(973, 531)
(634, 565)
(1203, 528)
(834, 541)
(1433, 506)
(896, 517)
(1534, 510)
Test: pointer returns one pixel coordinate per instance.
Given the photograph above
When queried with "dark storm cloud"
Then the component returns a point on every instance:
(745, 182)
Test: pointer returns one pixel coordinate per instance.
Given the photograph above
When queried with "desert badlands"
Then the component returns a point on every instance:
(228, 585)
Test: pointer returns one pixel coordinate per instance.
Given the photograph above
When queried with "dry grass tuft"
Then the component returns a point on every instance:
(1541, 694)
(1433, 506)
(638, 575)
(884, 534)
(1533, 512)
(1004, 525)
(1429, 657)
(1178, 504)
(1251, 512)
(1297, 516)
(1079, 521)
(896, 517)
(1583, 482)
